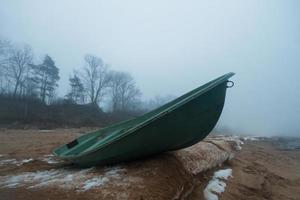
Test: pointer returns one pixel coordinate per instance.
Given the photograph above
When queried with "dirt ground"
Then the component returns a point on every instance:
(260, 171)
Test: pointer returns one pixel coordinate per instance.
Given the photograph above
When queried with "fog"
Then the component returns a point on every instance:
(172, 46)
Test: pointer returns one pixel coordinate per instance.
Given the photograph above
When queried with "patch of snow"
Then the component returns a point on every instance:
(8, 162)
(217, 185)
(251, 138)
(26, 178)
(49, 159)
(110, 174)
(67, 178)
(94, 182)
(231, 156)
(114, 171)
(236, 139)
(14, 161)
(25, 161)
(61, 178)
(238, 147)
(223, 174)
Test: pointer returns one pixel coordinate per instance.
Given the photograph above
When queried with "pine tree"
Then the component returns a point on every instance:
(76, 93)
(46, 78)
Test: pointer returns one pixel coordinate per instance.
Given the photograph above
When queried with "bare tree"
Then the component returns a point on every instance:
(4, 49)
(17, 66)
(95, 78)
(124, 92)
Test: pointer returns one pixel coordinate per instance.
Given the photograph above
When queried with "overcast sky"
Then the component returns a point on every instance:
(172, 46)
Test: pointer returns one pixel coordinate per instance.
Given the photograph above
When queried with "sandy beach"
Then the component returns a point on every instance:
(261, 169)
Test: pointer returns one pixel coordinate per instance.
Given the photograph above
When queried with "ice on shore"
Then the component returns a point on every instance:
(217, 185)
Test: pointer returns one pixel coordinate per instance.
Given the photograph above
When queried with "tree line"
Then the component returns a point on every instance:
(28, 92)
(21, 76)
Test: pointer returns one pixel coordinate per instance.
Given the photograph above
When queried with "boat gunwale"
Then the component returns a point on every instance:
(212, 84)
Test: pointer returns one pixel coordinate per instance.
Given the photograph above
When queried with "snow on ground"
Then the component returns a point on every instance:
(94, 182)
(8, 161)
(111, 173)
(67, 178)
(15, 161)
(49, 159)
(25, 161)
(238, 140)
(235, 139)
(79, 179)
(251, 138)
(59, 177)
(217, 185)
(195, 159)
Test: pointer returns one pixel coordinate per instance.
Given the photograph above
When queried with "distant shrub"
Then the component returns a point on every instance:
(18, 111)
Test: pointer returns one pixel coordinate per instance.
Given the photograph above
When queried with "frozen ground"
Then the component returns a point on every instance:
(167, 176)
(29, 171)
(217, 184)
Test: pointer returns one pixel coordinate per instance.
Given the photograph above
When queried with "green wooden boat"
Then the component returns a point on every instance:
(175, 125)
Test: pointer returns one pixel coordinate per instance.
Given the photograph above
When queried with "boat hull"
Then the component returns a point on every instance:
(176, 128)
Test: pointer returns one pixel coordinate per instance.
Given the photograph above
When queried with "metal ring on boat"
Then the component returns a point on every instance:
(230, 85)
